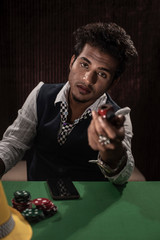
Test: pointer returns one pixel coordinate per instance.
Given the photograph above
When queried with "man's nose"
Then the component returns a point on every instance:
(90, 77)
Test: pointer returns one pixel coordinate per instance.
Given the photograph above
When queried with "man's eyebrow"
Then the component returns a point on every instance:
(100, 68)
(105, 69)
(85, 59)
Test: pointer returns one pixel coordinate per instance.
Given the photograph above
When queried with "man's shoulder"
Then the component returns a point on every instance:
(46, 98)
(50, 89)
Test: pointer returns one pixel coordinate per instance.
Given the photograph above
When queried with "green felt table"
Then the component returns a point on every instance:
(102, 212)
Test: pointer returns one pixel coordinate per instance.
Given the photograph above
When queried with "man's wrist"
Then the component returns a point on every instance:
(110, 171)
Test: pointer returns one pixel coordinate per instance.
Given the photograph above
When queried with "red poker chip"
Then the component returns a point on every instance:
(40, 201)
(49, 207)
(44, 204)
(106, 111)
(21, 206)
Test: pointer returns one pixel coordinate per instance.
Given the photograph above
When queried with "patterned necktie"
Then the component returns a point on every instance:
(67, 127)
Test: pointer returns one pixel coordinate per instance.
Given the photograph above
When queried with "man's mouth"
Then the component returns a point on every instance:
(83, 89)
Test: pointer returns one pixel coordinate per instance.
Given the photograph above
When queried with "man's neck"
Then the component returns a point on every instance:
(76, 109)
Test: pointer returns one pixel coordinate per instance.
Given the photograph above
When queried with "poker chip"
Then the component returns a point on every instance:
(21, 206)
(33, 215)
(43, 207)
(22, 196)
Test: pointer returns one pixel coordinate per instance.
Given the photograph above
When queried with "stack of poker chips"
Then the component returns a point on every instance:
(22, 200)
(43, 207)
(44, 204)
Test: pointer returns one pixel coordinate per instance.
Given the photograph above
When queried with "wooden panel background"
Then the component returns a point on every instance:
(36, 45)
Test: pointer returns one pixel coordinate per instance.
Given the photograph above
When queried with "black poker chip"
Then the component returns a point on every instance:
(22, 196)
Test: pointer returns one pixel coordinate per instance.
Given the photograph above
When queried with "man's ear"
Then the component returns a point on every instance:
(73, 58)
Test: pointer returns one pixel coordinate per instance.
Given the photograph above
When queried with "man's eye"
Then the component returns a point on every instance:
(84, 65)
(102, 74)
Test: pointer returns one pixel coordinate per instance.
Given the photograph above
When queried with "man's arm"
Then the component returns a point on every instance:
(19, 136)
(117, 155)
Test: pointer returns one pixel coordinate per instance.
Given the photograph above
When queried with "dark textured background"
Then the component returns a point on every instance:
(36, 45)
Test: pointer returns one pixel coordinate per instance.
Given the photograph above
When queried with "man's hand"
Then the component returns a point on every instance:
(113, 151)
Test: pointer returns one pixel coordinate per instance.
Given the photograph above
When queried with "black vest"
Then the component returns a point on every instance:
(71, 159)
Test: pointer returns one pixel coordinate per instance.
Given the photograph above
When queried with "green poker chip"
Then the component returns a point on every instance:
(33, 214)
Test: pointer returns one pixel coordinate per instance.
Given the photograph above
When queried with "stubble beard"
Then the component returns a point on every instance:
(78, 100)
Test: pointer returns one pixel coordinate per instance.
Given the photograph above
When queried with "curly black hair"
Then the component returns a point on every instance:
(109, 38)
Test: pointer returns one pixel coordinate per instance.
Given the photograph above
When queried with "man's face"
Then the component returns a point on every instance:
(91, 74)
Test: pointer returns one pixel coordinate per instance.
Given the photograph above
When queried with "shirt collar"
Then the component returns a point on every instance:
(62, 96)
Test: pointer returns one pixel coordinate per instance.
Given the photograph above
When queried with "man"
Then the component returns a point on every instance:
(60, 122)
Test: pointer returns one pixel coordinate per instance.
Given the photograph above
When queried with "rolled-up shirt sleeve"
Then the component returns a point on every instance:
(126, 172)
(20, 134)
